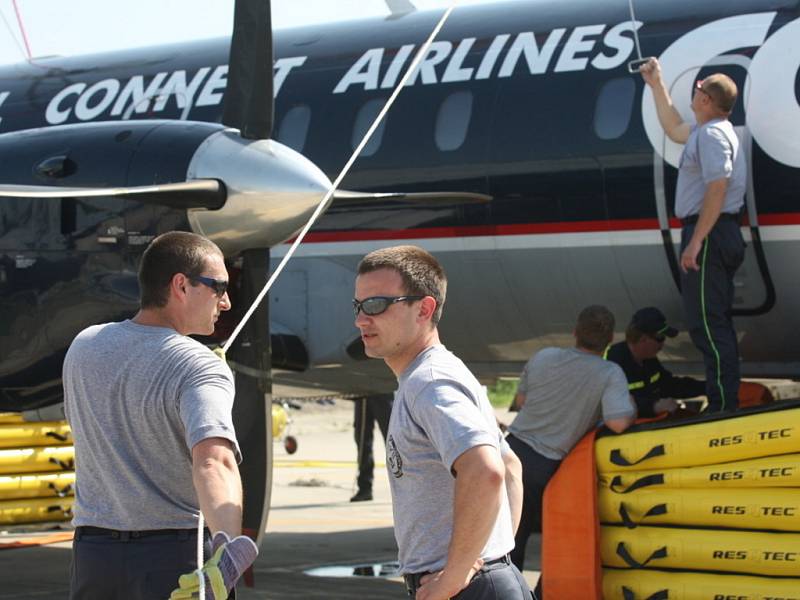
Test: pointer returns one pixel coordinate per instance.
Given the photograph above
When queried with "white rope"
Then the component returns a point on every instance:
(320, 208)
(200, 577)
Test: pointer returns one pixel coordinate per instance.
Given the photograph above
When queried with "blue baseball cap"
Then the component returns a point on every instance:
(652, 321)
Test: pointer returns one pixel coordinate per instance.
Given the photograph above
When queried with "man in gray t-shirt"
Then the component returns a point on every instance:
(456, 488)
(709, 195)
(150, 410)
(562, 394)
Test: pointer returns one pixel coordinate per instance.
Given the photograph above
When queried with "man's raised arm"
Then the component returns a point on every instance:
(671, 121)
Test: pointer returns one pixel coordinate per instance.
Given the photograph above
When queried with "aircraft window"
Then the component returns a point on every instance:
(612, 113)
(452, 121)
(364, 119)
(293, 129)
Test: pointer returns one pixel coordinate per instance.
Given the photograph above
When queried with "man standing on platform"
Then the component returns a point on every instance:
(709, 197)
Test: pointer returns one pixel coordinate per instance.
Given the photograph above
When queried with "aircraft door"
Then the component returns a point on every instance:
(754, 289)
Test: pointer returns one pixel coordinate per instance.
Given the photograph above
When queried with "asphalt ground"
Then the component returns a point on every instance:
(311, 524)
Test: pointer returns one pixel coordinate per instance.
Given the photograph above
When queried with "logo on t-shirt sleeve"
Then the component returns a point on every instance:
(393, 458)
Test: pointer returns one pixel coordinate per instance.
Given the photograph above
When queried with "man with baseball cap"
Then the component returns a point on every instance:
(652, 386)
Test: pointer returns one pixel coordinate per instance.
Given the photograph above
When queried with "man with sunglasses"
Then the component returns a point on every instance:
(150, 410)
(709, 196)
(456, 485)
(654, 388)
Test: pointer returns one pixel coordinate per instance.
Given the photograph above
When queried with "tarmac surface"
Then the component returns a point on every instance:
(311, 524)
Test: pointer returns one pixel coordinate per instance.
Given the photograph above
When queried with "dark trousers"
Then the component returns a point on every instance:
(707, 303)
(536, 472)
(121, 567)
(367, 411)
(494, 582)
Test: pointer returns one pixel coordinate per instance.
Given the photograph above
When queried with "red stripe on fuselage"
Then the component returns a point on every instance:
(519, 229)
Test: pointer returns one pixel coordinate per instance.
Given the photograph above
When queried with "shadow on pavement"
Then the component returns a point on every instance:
(284, 556)
(40, 573)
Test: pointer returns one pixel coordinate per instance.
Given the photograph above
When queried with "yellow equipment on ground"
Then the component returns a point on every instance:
(764, 508)
(11, 417)
(48, 433)
(281, 425)
(705, 508)
(769, 471)
(33, 460)
(626, 584)
(738, 437)
(279, 420)
(35, 510)
(46, 485)
(746, 552)
(37, 470)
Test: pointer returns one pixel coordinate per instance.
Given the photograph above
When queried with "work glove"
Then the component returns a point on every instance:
(230, 558)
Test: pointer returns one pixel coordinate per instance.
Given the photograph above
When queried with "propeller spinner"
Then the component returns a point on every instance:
(241, 189)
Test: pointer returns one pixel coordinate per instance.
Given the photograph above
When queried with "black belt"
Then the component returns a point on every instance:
(412, 580)
(692, 219)
(88, 530)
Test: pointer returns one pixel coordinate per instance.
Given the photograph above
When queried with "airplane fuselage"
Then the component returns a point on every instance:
(528, 102)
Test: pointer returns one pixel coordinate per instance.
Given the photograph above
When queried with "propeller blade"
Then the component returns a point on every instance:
(345, 197)
(202, 193)
(248, 100)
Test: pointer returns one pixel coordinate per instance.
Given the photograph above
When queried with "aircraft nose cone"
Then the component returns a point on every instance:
(271, 191)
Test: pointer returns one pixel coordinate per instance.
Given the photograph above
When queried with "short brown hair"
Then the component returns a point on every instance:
(595, 328)
(421, 273)
(170, 253)
(722, 90)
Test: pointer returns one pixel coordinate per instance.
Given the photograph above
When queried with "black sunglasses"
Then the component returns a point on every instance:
(219, 286)
(378, 304)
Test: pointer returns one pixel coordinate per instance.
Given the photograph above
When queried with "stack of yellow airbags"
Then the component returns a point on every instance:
(708, 510)
(37, 474)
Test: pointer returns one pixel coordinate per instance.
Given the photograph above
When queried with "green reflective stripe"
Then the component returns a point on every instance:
(636, 385)
(605, 352)
(655, 377)
(705, 321)
(663, 329)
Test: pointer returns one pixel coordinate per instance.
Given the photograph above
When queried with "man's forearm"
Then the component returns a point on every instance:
(668, 115)
(476, 502)
(219, 491)
(514, 487)
(713, 200)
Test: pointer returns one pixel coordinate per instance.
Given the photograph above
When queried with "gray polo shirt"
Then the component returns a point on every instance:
(138, 399)
(440, 411)
(567, 392)
(712, 152)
